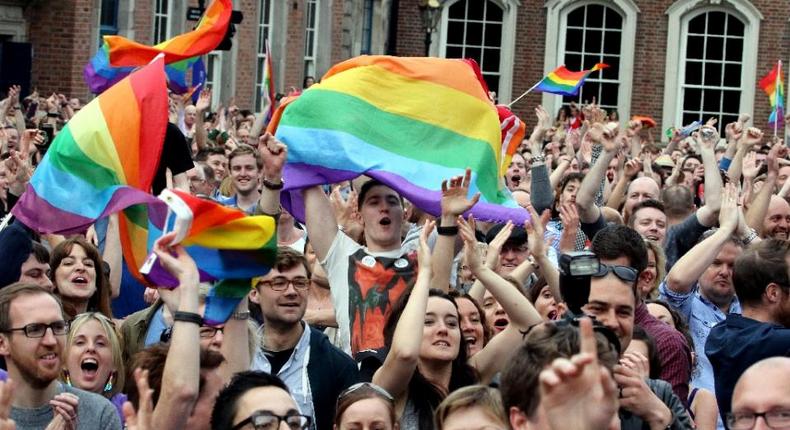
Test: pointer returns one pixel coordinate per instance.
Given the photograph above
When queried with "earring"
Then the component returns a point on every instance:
(108, 385)
(66, 377)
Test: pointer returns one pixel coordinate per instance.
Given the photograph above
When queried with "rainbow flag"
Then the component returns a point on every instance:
(407, 122)
(513, 132)
(565, 82)
(105, 158)
(268, 83)
(773, 85)
(229, 247)
(209, 32)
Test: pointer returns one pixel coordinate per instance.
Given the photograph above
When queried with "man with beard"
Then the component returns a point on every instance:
(776, 223)
(762, 282)
(314, 371)
(32, 334)
(699, 286)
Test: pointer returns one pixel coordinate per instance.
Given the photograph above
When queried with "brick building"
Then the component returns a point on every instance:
(673, 60)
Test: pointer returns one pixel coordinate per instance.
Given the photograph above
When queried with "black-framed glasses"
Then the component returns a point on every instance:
(266, 420)
(208, 332)
(625, 273)
(745, 421)
(366, 385)
(280, 283)
(36, 330)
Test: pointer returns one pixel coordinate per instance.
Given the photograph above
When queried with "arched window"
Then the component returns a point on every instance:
(484, 31)
(582, 33)
(707, 49)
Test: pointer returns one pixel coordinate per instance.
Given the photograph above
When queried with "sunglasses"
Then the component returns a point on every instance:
(366, 385)
(625, 273)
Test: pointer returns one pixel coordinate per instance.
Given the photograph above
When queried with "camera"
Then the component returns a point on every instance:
(576, 269)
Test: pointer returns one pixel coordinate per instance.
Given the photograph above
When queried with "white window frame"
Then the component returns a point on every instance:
(556, 29)
(261, 54)
(216, 83)
(507, 45)
(680, 13)
(310, 58)
(163, 16)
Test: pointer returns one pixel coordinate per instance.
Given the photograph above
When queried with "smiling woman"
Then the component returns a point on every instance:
(78, 276)
(93, 358)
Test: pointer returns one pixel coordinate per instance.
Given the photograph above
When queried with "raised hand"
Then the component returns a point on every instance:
(274, 154)
(777, 152)
(175, 259)
(632, 168)
(752, 136)
(750, 166)
(65, 410)
(728, 214)
(204, 101)
(733, 130)
(633, 128)
(535, 231)
(636, 362)
(424, 251)
(466, 229)
(706, 137)
(579, 393)
(454, 195)
(6, 398)
(346, 212)
(495, 246)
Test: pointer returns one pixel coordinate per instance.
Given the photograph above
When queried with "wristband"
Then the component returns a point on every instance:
(189, 317)
(538, 159)
(273, 186)
(243, 315)
(447, 231)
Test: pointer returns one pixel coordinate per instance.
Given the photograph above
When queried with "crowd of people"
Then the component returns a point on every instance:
(650, 288)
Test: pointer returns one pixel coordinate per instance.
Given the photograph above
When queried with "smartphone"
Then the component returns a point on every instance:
(49, 130)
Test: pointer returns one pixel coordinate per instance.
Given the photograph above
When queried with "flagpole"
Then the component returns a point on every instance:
(525, 93)
(776, 96)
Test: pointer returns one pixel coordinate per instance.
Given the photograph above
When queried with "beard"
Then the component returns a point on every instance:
(34, 375)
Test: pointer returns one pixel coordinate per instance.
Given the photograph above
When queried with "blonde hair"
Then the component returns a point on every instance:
(472, 396)
(115, 346)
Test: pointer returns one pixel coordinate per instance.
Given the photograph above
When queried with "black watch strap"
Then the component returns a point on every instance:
(190, 317)
(447, 231)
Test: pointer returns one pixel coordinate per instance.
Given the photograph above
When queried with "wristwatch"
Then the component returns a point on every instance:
(242, 315)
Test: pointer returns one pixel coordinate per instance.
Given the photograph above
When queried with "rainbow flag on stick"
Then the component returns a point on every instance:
(513, 132)
(268, 83)
(407, 122)
(208, 34)
(104, 160)
(773, 85)
(565, 82)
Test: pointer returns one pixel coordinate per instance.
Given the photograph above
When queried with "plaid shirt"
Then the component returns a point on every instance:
(673, 351)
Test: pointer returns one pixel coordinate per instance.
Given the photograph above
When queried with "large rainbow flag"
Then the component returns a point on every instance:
(407, 122)
(773, 85)
(209, 32)
(105, 158)
(565, 82)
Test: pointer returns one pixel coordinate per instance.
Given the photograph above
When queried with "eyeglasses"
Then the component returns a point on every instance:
(265, 420)
(281, 283)
(366, 385)
(746, 421)
(208, 332)
(36, 330)
(625, 273)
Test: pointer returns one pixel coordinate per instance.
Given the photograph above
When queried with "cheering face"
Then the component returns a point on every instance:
(496, 317)
(568, 195)
(245, 173)
(441, 335)
(471, 326)
(37, 361)
(89, 357)
(651, 223)
(516, 172)
(612, 303)
(776, 223)
(218, 163)
(382, 214)
(640, 189)
(547, 305)
(75, 277)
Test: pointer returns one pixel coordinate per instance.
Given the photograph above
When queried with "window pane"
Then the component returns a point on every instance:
(609, 94)
(589, 62)
(595, 16)
(493, 35)
(474, 33)
(693, 73)
(457, 11)
(732, 75)
(492, 81)
(712, 74)
(592, 41)
(695, 46)
(454, 52)
(589, 90)
(732, 102)
(711, 100)
(734, 26)
(573, 40)
(611, 42)
(692, 100)
(688, 118)
(493, 12)
(713, 50)
(576, 17)
(716, 22)
(613, 71)
(573, 61)
(613, 19)
(455, 32)
(473, 53)
(491, 60)
(475, 10)
(697, 25)
(734, 49)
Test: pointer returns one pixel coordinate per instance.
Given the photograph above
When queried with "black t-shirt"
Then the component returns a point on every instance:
(176, 156)
(278, 358)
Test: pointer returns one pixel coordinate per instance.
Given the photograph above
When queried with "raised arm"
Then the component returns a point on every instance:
(522, 314)
(236, 345)
(113, 254)
(396, 372)
(181, 376)
(260, 119)
(607, 136)
(630, 170)
(274, 154)
(759, 207)
(203, 105)
(706, 141)
(454, 203)
(693, 264)
(492, 259)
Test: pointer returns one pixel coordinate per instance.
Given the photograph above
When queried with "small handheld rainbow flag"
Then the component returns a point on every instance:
(208, 34)
(565, 82)
(513, 132)
(268, 82)
(773, 85)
